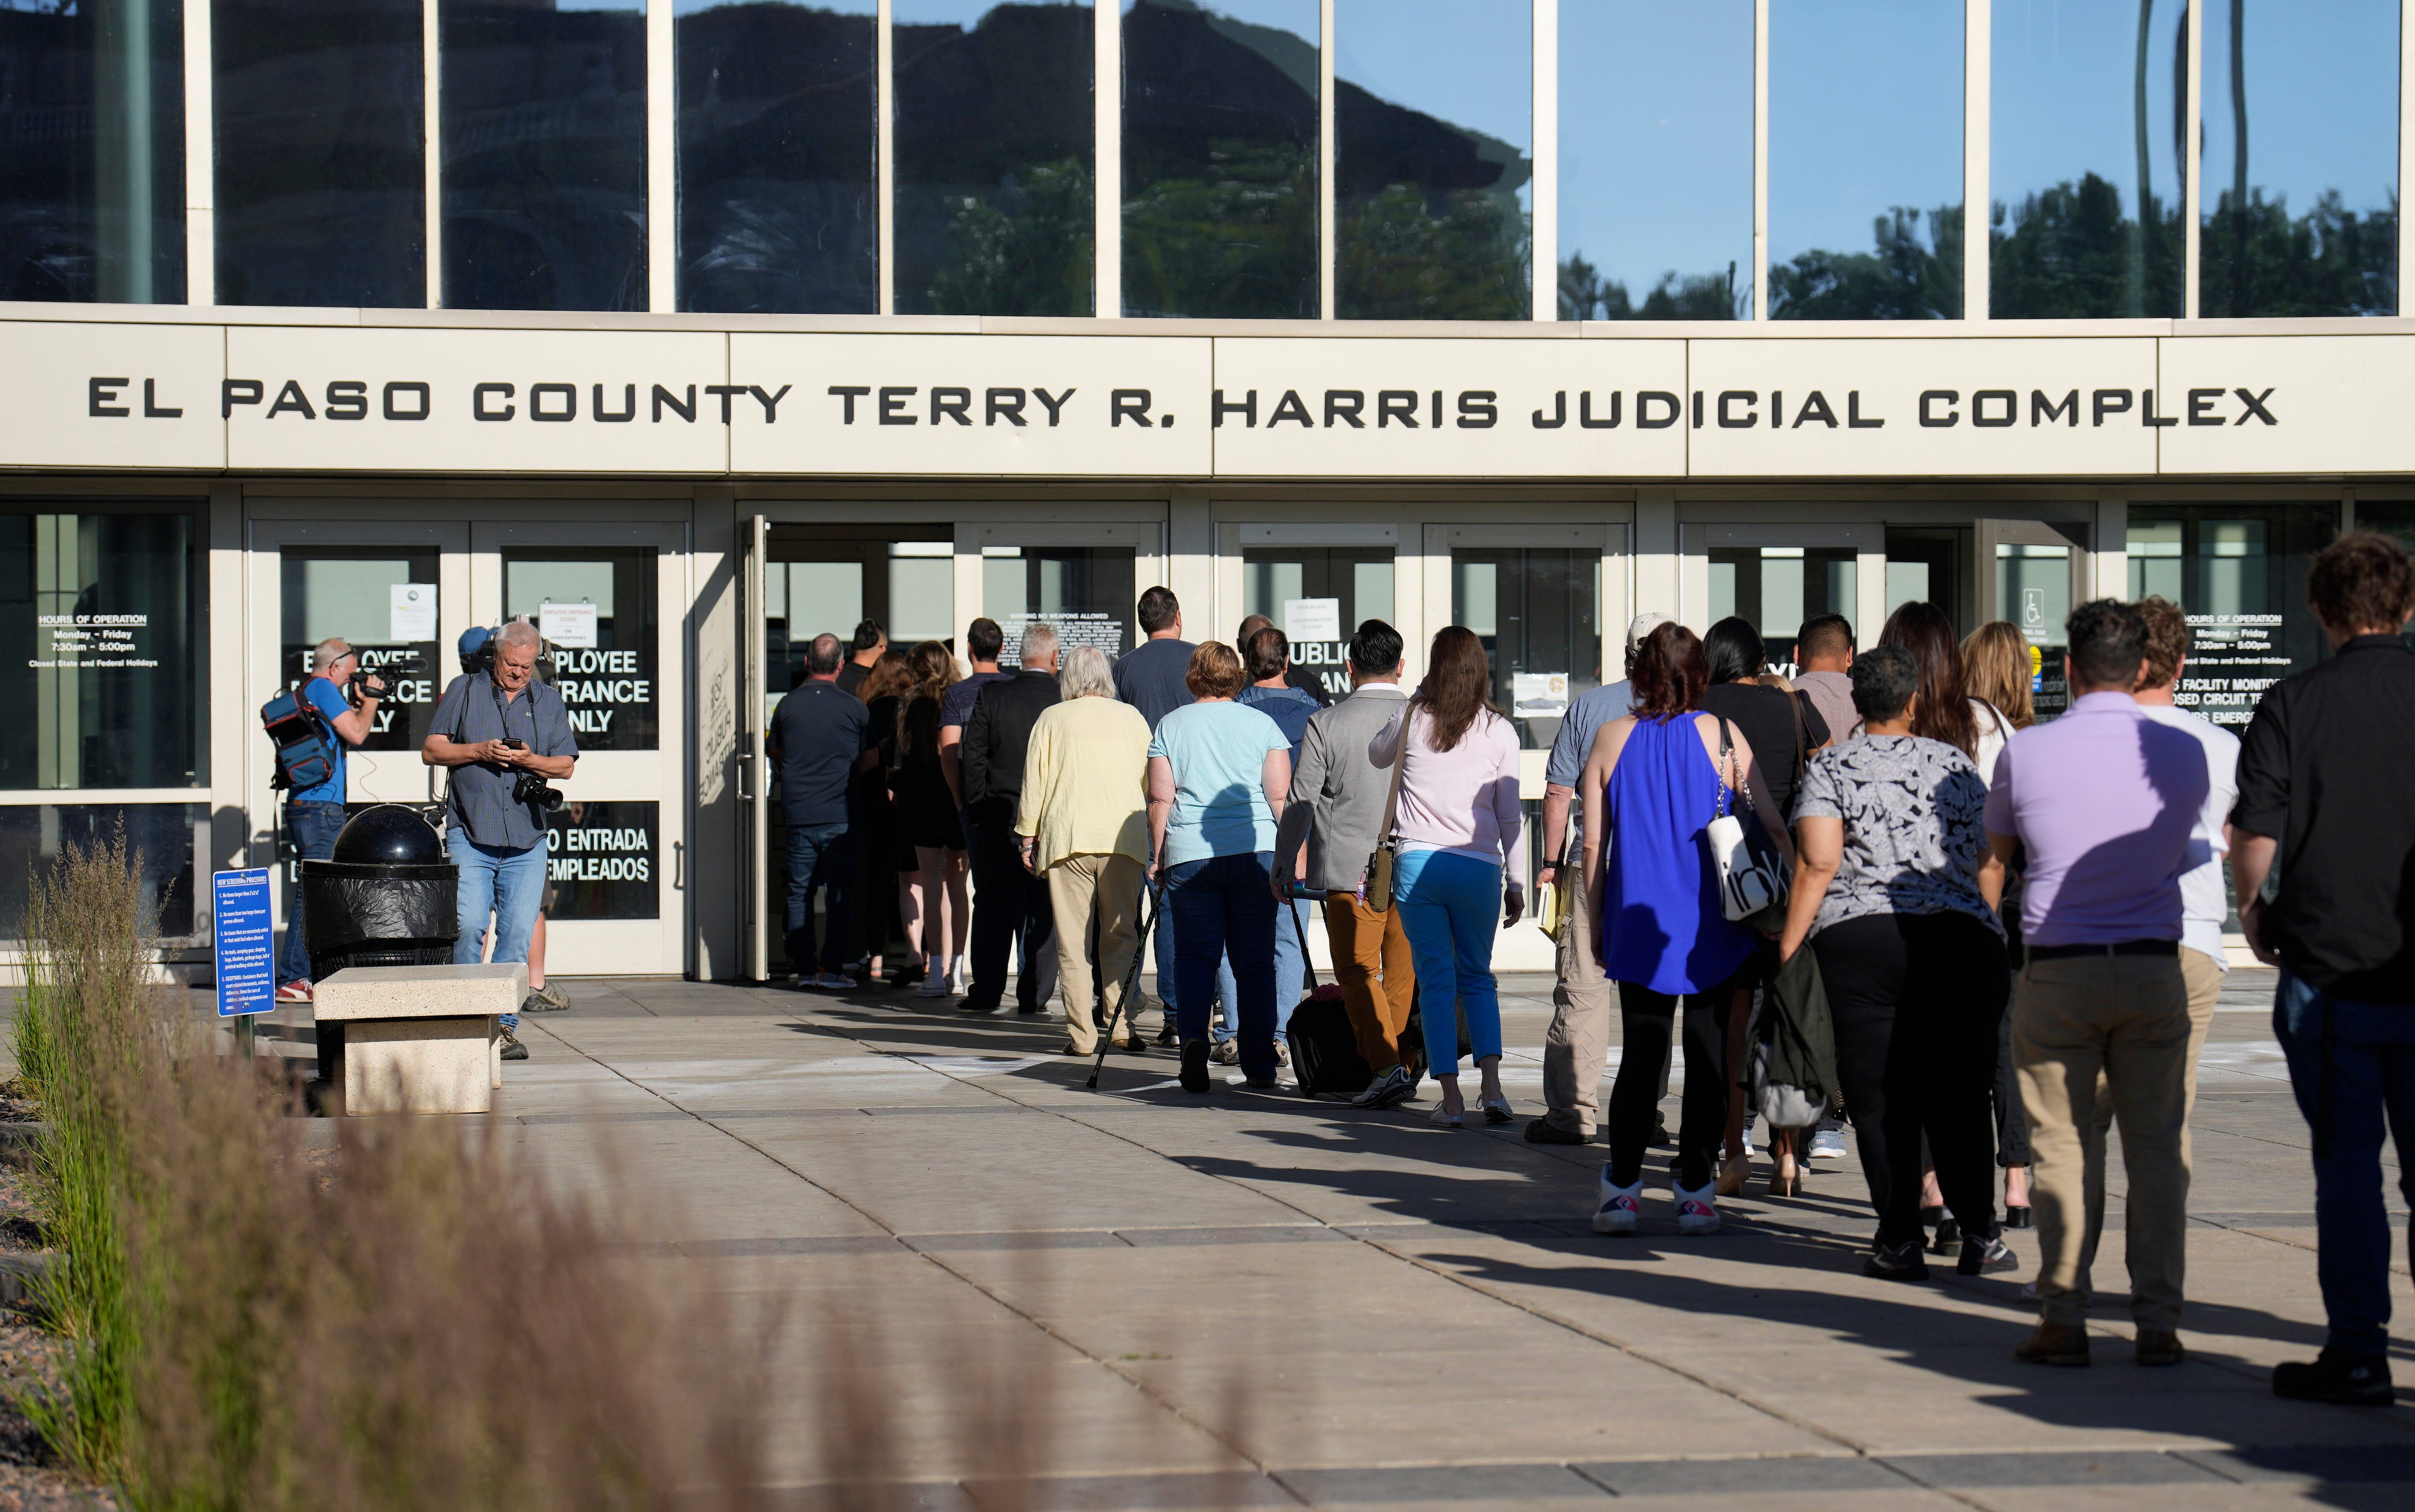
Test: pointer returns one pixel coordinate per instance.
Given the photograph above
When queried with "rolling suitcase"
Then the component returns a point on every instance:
(1324, 1047)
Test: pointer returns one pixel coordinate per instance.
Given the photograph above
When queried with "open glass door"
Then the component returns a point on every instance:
(2033, 574)
(753, 779)
(1778, 577)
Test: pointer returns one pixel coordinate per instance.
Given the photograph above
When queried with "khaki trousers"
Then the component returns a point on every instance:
(1576, 1048)
(2120, 1022)
(1078, 885)
(2203, 979)
(1379, 986)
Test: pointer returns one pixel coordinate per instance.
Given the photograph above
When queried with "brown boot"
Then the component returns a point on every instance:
(2054, 1343)
(2159, 1346)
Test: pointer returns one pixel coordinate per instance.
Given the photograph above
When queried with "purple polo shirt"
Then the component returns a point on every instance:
(2103, 799)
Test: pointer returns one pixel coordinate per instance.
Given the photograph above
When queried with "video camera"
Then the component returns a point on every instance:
(408, 664)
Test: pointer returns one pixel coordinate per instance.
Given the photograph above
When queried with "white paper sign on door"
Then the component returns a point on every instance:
(410, 612)
(1538, 694)
(1313, 619)
(570, 626)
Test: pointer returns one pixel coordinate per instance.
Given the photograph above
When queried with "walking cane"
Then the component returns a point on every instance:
(1149, 903)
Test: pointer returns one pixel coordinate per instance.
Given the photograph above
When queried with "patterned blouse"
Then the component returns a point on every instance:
(1914, 812)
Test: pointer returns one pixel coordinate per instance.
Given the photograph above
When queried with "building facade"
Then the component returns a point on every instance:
(886, 354)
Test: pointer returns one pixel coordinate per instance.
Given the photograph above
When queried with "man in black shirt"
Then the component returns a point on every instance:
(819, 738)
(1010, 904)
(1149, 675)
(863, 654)
(2323, 857)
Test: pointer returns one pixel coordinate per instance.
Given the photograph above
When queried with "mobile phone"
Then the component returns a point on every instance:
(516, 745)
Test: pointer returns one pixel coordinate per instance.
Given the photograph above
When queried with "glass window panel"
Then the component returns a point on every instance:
(1656, 161)
(605, 859)
(348, 591)
(922, 592)
(1434, 127)
(994, 157)
(610, 688)
(1289, 585)
(2240, 572)
(1865, 160)
(1085, 591)
(1776, 588)
(2088, 122)
(159, 836)
(322, 186)
(2299, 189)
(777, 110)
(100, 662)
(1220, 159)
(92, 185)
(1539, 614)
(543, 138)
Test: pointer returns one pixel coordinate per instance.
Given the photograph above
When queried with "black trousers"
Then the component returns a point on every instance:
(1010, 907)
(2012, 1120)
(1647, 1021)
(1917, 999)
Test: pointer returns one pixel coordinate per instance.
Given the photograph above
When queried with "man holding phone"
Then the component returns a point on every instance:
(504, 737)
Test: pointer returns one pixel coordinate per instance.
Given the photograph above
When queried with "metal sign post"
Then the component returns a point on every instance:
(244, 947)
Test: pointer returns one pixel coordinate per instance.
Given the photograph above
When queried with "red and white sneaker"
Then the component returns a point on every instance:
(293, 992)
(1696, 1212)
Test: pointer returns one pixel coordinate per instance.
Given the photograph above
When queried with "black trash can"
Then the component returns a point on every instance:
(387, 899)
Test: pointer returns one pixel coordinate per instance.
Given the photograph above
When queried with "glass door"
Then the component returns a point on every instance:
(1778, 576)
(1316, 585)
(2033, 574)
(1083, 581)
(617, 856)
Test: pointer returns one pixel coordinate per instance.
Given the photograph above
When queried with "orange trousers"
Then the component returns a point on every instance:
(1371, 962)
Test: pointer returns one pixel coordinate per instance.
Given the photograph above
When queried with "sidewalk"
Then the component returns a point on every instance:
(1251, 1299)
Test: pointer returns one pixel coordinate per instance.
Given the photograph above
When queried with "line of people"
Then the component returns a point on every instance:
(2017, 924)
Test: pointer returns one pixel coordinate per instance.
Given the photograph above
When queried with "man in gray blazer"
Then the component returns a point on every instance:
(1337, 804)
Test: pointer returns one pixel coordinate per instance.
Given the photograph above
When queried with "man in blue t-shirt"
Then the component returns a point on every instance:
(314, 816)
(1149, 677)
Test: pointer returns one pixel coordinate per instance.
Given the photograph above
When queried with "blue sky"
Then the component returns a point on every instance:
(2322, 100)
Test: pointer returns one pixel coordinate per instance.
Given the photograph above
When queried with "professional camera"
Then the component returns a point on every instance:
(390, 673)
(531, 787)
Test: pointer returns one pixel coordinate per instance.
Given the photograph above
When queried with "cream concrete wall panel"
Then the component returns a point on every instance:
(2338, 404)
(78, 394)
(1516, 379)
(947, 405)
(512, 377)
(1737, 378)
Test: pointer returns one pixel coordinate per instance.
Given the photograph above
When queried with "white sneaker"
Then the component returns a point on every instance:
(1827, 1145)
(1696, 1212)
(1622, 1207)
(935, 985)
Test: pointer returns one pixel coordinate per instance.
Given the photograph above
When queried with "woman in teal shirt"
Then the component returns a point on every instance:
(1218, 772)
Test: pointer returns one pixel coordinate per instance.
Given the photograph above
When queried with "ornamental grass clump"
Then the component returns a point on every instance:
(406, 1320)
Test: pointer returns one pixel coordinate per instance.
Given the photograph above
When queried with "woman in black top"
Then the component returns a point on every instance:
(1767, 716)
(931, 838)
(883, 890)
(1783, 729)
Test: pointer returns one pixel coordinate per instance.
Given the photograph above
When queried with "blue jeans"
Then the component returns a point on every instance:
(310, 830)
(1222, 904)
(1451, 910)
(2370, 1076)
(821, 856)
(509, 884)
(1169, 988)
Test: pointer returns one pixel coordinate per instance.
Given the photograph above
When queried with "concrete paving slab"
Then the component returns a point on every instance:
(1253, 1299)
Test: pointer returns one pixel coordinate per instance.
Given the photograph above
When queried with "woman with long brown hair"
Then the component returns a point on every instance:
(930, 835)
(1653, 783)
(1455, 833)
(1996, 671)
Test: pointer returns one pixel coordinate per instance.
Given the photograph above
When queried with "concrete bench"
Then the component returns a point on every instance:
(415, 1038)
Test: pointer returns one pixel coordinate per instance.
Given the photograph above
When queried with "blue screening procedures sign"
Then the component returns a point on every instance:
(246, 946)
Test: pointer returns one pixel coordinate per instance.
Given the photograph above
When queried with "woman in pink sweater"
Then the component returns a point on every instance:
(1455, 834)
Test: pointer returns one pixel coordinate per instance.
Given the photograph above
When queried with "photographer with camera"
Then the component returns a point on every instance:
(504, 738)
(314, 816)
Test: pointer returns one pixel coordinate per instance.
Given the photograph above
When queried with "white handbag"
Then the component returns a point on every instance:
(1752, 871)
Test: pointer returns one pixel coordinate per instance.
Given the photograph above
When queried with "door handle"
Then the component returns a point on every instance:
(678, 865)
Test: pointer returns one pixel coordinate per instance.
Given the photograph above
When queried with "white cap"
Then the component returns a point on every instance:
(1644, 624)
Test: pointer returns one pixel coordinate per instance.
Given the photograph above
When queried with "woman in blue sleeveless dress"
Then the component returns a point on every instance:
(1652, 786)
